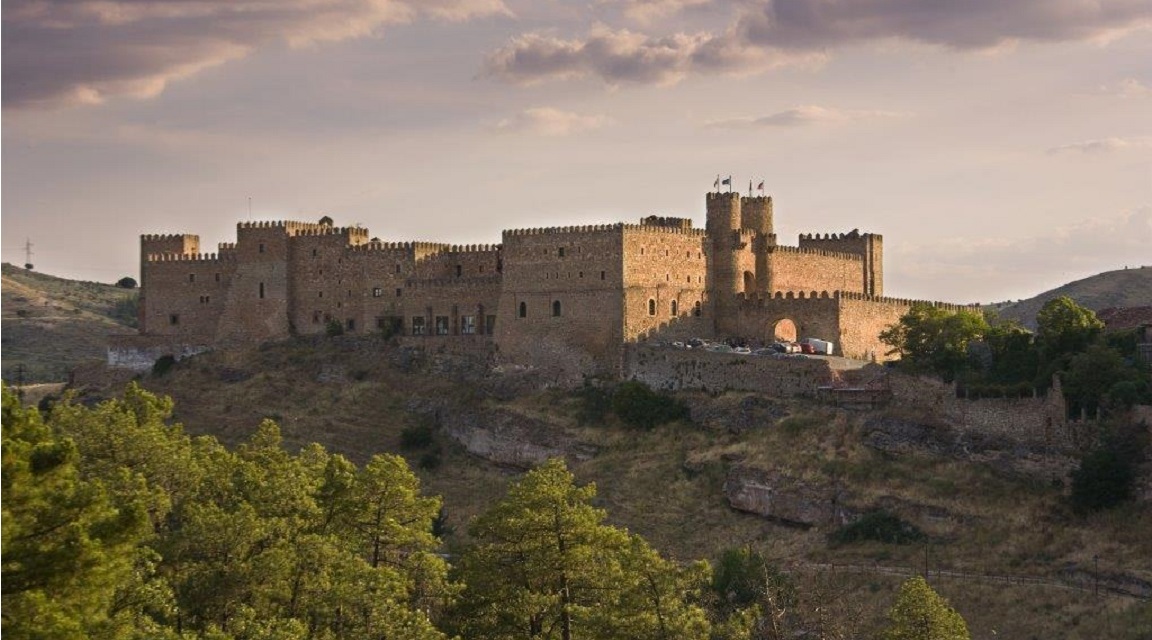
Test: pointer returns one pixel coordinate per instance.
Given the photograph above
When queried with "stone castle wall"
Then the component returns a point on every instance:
(665, 289)
(814, 270)
(675, 369)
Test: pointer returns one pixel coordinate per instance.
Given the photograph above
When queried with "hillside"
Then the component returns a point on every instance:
(993, 511)
(1121, 288)
(51, 325)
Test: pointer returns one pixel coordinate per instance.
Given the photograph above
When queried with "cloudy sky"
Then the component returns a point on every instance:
(1001, 147)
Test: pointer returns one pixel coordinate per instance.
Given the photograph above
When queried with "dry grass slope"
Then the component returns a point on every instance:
(1121, 288)
(51, 325)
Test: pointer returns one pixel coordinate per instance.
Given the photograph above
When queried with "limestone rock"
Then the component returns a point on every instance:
(787, 499)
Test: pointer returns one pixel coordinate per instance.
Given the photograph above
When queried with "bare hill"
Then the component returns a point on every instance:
(51, 325)
(1121, 288)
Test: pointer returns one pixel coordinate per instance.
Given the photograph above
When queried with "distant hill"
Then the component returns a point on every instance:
(1111, 289)
(50, 325)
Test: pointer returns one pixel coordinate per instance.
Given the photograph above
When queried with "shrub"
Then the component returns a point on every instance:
(334, 328)
(877, 525)
(163, 365)
(126, 283)
(595, 402)
(416, 436)
(430, 460)
(638, 405)
(1107, 474)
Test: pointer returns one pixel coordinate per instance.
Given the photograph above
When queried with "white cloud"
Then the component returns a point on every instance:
(68, 52)
(547, 121)
(802, 116)
(1103, 145)
(1126, 88)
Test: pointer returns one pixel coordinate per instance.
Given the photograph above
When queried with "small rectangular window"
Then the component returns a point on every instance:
(417, 325)
(261, 290)
(398, 292)
(217, 277)
(459, 270)
(351, 324)
(315, 317)
(468, 325)
(377, 292)
(441, 325)
(560, 251)
(191, 277)
(489, 324)
(174, 319)
(602, 275)
(313, 253)
(261, 247)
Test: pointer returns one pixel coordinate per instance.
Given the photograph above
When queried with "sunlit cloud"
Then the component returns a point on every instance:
(547, 121)
(802, 116)
(1103, 145)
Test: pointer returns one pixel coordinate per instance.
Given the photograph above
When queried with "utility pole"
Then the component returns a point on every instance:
(28, 254)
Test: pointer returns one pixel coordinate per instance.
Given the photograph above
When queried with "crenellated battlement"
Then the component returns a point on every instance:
(779, 248)
(589, 228)
(165, 237)
(682, 231)
(851, 235)
(190, 257)
(325, 230)
(762, 298)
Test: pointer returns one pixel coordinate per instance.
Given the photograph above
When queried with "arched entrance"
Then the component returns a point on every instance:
(784, 331)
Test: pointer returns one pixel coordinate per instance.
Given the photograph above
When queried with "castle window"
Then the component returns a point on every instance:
(696, 309)
(489, 324)
(581, 274)
(174, 319)
(217, 277)
(523, 309)
(651, 307)
(687, 254)
(689, 279)
(339, 305)
(313, 253)
(417, 325)
(668, 277)
(665, 253)
(699, 254)
(441, 325)
(377, 292)
(351, 324)
(675, 308)
(555, 308)
(315, 317)
(261, 290)
(349, 293)
(459, 270)
(261, 247)
(398, 292)
(641, 250)
(319, 294)
(468, 325)
(560, 252)
(397, 268)
(191, 277)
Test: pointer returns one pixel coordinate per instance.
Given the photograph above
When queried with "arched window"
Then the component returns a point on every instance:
(555, 308)
(523, 310)
(651, 307)
(675, 308)
(696, 309)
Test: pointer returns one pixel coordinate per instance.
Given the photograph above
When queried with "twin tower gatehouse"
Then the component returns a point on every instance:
(566, 297)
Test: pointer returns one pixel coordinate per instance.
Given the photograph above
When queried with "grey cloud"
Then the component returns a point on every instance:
(801, 116)
(62, 52)
(772, 33)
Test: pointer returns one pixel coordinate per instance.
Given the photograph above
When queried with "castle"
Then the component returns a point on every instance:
(569, 297)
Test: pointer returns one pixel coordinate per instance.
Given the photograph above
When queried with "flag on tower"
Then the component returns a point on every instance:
(716, 185)
(727, 181)
(760, 187)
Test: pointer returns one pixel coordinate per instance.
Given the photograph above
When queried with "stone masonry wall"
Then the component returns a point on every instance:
(796, 270)
(664, 282)
(186, 295)
(675, 369)
(561, 304)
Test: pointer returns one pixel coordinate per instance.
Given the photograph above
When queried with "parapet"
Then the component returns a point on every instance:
(189, 257)
(851, 235)
(907, 302)
(471, 282)
(166, 237)
(779, 248)
(666, 221)
(589, 228)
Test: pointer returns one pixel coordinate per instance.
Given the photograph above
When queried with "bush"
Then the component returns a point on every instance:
(743, 577)
(334, 328)
(417, 436)
(1107, 474)
(595, 402)
(126, 283)
(638, 405)
(429, 461)
(877, 525)
(163, 365)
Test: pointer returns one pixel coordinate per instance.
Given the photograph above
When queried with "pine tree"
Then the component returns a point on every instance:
(921, 614)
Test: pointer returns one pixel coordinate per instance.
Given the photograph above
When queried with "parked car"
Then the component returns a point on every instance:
(742, 350)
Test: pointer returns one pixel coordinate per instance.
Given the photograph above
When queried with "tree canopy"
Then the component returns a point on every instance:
(919, 613)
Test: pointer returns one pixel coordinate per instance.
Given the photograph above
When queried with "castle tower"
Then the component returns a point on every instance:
(725, 278)
(170, 244)
(756, 214)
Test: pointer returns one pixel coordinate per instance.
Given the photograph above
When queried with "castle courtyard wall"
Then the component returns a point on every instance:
(675, 369)
(664, 273)
(795, 269)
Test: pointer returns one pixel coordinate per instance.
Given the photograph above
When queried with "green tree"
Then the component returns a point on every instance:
(1092, 377)
(69, 545)
(639, 406)
(933, 340)
(1064, 327)
(921, 614)
(545, 566)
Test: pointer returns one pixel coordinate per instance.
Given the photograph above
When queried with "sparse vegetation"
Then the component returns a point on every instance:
(637, 405)
(879, 526)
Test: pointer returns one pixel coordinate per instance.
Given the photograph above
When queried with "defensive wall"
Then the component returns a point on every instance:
(675, 369)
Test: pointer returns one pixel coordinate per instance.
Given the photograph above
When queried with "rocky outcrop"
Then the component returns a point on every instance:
(736, 415)
(502, 436)
(786, 499)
